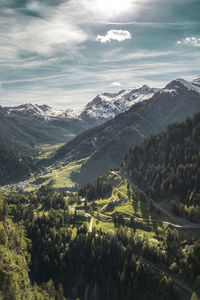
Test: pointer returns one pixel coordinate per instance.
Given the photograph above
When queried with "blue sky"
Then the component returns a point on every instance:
(63, 53)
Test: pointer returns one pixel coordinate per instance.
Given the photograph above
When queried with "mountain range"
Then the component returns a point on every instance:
(101, 109)
(125, 119)
(106, 144)
(25, 126)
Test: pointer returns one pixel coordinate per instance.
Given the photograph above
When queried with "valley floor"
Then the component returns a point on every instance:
(125, 206)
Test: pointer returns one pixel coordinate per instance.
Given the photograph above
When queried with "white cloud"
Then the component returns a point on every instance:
(118, 35)
(115, 83)
(59, 29)
(191, 41)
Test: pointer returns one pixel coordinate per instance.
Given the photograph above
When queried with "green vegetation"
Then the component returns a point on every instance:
(21, 137)
(14, 259)
(60, 176)
(124, 203)
(75, 262)
(46, 150)
(167, 165)
(14, 166)
(82, 262)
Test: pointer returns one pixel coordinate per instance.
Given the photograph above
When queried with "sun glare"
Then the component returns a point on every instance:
(114, 6)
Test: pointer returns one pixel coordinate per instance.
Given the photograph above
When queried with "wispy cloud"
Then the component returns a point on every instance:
(114, 35)
(119, 55)
(178, 24)
(49, 52)
(190, 41)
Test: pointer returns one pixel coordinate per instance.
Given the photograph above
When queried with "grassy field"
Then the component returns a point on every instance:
(60, 176)
(127, 208)
(45, 150)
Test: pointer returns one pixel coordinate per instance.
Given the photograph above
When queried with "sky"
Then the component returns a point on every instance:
(65, 52)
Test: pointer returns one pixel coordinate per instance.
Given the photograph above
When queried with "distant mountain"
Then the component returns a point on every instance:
(106, 106)
(101, 109)
(21, 133)
(107, 144)
(42, 112)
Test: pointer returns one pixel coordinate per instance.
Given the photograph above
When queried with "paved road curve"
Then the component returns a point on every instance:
(183, 223)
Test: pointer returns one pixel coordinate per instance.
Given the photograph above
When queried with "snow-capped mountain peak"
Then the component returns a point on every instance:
(107, 105)
(102, 108)
(179, 85)
(43, 112)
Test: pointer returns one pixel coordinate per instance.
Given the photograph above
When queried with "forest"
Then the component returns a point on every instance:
(86, 265)
(167, 165)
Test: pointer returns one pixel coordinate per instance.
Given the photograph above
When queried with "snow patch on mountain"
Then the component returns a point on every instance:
(189, 85)
(177, 86)
(44, 112)
(102, 108)
(108, 105)
(173, 92)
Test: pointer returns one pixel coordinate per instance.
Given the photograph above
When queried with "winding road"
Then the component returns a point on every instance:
(91, 223)
(183, 223)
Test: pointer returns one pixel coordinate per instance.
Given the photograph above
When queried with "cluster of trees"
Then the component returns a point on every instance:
(96, 189)
(167, 164)
(79, 264)
(14, 259)
(189, 212)
(86, 264)
(13, 166)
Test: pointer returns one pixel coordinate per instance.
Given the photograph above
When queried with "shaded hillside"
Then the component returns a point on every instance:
(167, 165)
(22, 133)
(18, 136)
(107, 144)
(13, 167)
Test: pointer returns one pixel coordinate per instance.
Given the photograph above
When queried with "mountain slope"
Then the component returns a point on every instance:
(22, 133)
(107, 144)
(167, 165)
(18, 136)
(14, 167)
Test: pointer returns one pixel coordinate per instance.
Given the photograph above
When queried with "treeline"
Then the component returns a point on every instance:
(100, 188)
(167, 164)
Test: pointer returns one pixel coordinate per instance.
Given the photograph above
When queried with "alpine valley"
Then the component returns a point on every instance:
(102, 202)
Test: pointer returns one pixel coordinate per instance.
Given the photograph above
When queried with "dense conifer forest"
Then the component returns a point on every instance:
(167, 165)
(85, 265)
